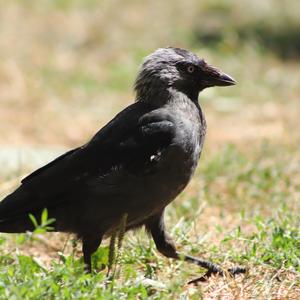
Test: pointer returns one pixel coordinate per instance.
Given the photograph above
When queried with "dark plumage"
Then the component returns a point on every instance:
(135, 165)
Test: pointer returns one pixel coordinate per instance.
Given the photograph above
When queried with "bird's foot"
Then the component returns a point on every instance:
(215, 269)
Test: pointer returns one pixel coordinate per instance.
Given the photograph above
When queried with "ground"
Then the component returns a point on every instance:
(60, 84)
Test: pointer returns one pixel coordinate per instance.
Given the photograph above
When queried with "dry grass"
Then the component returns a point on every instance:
(65, 70)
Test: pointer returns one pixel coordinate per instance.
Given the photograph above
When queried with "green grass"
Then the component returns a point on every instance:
(68, 66)
(252, 223)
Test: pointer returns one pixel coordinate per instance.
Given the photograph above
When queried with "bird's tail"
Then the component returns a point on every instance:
(14, 212)
(16, 225)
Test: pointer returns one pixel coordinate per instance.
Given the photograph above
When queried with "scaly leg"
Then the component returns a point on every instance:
(89, 246)
(165, 245)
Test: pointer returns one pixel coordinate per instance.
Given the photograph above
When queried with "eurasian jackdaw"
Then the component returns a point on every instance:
(135, 165)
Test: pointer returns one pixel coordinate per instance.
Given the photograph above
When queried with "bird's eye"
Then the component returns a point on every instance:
(191, 69)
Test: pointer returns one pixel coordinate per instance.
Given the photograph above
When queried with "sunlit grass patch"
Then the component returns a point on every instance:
(68, 66)
(259, 230)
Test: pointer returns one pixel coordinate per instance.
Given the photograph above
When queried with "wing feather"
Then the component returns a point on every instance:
(129, 140)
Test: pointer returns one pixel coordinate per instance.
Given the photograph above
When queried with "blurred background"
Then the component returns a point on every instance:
(68, 66)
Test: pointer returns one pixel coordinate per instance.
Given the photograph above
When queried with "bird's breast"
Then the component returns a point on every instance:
(150, 182)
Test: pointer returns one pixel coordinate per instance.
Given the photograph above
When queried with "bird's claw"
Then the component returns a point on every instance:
(236, 270)
(218, 271)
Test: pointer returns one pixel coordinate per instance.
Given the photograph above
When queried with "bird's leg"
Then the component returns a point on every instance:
(166, 246)
(211, 267)
(89, 246)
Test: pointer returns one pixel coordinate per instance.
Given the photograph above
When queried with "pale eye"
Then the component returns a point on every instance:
(191, 69)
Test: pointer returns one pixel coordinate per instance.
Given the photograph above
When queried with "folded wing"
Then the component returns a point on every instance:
(129, 140)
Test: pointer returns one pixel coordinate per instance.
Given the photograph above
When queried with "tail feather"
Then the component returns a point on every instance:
(14, 211)
(16, 203)
(16, 225)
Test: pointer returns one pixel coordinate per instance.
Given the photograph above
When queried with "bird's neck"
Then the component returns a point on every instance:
(181, 102)
(154, 93)
(180, 99)
(165, 95)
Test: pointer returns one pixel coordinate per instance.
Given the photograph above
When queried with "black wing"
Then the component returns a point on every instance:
(132, 136)
(39, 171)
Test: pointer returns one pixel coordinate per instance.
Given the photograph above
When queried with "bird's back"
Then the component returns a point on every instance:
(91, 186)
(64, 180)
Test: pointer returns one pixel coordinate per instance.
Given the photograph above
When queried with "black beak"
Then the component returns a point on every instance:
(223, 80)
(215, 77)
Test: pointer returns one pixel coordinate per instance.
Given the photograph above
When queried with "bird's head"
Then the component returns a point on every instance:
(177, 69)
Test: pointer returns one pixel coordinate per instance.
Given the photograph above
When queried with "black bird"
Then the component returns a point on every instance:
(135, 165)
